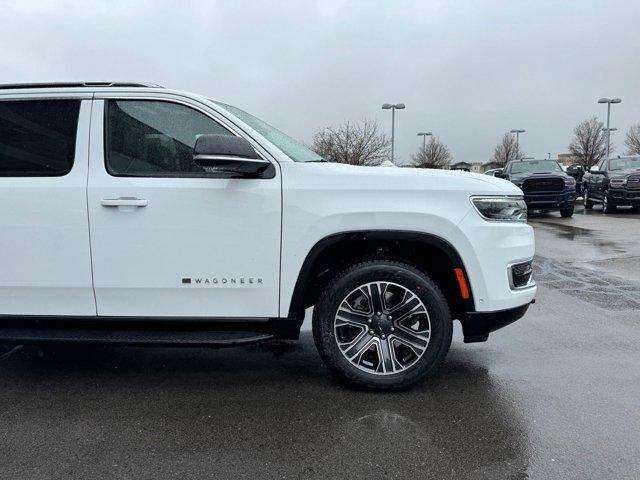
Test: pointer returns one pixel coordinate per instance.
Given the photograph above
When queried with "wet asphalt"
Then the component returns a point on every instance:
(555, 395)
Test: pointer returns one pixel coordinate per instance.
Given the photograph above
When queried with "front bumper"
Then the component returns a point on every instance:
(476, 326)
(621, 196)
(550, 200)
(488, 250)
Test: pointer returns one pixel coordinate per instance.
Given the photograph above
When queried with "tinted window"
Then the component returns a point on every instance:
(535, 166)
(154, 139)
(629, 163)
(38, 137)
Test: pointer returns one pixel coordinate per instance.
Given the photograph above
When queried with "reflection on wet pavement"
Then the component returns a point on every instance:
(597, 288)
(267, 411)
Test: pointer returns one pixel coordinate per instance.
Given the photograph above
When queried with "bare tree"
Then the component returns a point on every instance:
(356, 144)
(633, 140)
(506, 150)
(589, 142)
(434, 154)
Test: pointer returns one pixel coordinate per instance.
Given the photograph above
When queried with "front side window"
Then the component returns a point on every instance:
(38, 137)
(148, 138)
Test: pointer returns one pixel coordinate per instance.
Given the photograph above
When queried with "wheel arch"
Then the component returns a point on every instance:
(426, 251)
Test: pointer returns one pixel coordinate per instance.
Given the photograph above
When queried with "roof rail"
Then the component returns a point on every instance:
(12, 86)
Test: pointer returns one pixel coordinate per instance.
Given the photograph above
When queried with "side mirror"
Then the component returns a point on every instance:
(500, 174)
(227, 156)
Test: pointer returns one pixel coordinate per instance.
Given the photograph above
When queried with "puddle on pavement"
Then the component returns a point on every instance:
(583, 236)
(595, 287)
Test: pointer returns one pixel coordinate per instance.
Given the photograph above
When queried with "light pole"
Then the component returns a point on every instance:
(424, 136)
(393, 107)
(609, 101)
(517, 131)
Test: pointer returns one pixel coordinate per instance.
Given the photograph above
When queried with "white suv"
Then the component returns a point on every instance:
(133, 214)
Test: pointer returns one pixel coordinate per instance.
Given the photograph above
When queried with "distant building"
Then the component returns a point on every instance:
(476, 167)
(466, 166)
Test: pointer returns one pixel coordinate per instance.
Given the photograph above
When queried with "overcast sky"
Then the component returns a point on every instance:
(468, 71)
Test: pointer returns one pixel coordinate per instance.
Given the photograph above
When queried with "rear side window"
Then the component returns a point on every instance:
(148, 138)
(38, 137)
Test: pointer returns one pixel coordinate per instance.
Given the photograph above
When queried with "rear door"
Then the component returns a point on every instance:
(45, 264)
(169, 239)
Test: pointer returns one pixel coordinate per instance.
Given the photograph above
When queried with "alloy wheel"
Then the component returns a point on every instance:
(382, 328)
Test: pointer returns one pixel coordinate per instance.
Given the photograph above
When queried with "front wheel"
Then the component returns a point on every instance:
(382, 325)
(586, 199)
(566, 212)
(607, 205)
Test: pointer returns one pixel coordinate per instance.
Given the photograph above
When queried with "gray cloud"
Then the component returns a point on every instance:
(468, 71)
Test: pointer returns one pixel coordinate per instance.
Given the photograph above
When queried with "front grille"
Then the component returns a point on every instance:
(633, 182)
(532, 185)
(520, 274)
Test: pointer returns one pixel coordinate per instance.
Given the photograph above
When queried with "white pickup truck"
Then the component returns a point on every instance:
(134, 214)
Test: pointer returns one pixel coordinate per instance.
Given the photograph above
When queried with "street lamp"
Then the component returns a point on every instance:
(424, 136)
(517, 131)
(393, 107)
(609, 101)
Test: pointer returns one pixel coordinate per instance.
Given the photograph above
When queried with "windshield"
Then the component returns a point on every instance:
(625, 164)
(292, 148)
(535, 166)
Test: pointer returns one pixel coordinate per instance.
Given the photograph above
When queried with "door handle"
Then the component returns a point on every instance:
(124, 202)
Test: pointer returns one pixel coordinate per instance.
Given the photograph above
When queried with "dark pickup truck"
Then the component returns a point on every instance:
(613, 182)
(544, 184)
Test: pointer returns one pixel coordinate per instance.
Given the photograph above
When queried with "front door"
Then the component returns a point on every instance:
(167, 238)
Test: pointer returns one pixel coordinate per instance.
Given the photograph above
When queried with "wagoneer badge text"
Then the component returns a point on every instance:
(216, 281)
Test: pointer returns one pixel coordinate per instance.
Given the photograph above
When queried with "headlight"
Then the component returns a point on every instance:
(618, 182)
(501, 209)
(570, 182)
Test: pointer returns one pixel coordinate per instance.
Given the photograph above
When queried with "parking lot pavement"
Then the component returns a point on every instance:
(555, 395)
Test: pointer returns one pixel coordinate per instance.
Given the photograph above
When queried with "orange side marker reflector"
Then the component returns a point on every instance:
(462, 283)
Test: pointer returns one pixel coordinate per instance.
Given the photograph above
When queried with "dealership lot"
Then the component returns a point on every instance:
(556, 394)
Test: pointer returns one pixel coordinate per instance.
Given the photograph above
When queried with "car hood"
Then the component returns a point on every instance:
(390, 178)
(525, 175)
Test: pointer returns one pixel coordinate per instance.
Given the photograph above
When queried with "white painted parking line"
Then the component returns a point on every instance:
(10, 352)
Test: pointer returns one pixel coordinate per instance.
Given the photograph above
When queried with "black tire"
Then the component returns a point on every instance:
(566, 212)
(607, 205)
(588, 204)
(406, 276)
